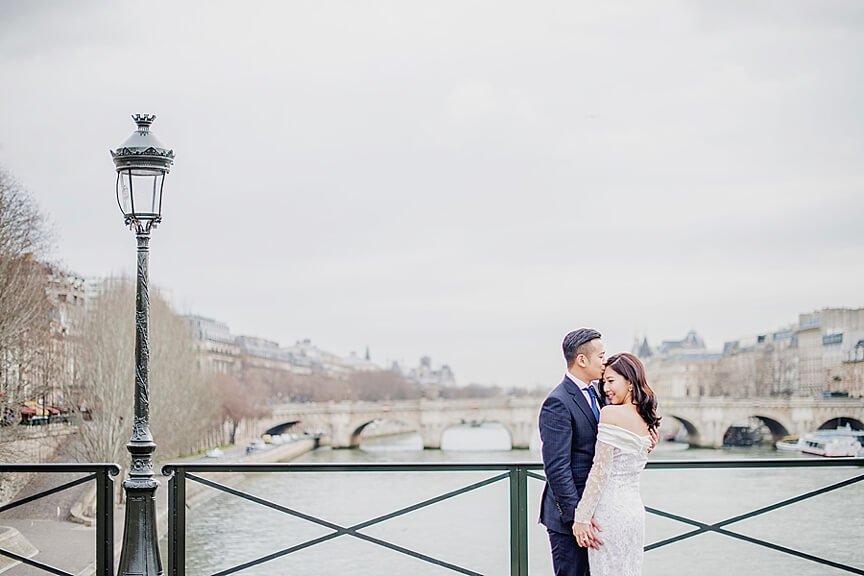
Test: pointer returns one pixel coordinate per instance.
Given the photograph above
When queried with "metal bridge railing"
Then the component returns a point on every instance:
(103, 475)
(722, 527)
(516, 475)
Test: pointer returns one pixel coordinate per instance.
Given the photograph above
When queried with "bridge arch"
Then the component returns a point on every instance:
(778, 430)
(747, 431)
(841, 422)
(354, 442)
(281, 428)
(693, 437)
(358, 428)
(461, 423)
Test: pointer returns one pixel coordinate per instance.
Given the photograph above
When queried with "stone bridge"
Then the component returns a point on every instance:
(705, 419)
(344, 421)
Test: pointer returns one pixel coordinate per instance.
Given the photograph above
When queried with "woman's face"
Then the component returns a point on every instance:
(616, 387)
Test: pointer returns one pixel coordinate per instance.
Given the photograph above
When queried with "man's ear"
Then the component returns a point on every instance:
(581, 360)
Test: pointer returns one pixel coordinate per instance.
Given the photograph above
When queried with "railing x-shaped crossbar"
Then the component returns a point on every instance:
(177, 509)
(518, 475)
(719, 527)
(103, 475)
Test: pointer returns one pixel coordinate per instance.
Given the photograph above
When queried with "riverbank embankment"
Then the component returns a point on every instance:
(69, 545)
(198, 493)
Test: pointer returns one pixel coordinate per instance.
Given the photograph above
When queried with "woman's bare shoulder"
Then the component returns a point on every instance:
(625, 417)
(613, 413)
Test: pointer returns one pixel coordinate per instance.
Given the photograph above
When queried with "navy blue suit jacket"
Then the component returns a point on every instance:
(568, 430)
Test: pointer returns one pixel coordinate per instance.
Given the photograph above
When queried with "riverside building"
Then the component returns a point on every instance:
(822, 354)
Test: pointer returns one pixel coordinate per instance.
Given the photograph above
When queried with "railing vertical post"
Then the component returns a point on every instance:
(105, 522)
(177, 523)
(518, 521)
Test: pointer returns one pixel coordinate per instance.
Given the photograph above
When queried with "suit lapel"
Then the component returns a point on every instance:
(579, 400)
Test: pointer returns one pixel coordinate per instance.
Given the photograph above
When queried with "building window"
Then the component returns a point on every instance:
(829, 339)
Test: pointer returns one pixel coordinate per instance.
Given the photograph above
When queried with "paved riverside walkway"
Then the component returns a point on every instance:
(70, 546)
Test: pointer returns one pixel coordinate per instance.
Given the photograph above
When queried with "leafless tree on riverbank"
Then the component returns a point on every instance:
(183, 412)
(240, 401)
(24, 306)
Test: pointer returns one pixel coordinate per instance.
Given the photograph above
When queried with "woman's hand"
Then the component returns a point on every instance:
(655, 436)
(585, 535)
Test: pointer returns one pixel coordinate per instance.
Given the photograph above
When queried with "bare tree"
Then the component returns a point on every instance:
(185, 408)
(383, 385)
(104, 376)
(239, 402)
(23, 237)
(182, 413)
(471, 391)
(24, 306)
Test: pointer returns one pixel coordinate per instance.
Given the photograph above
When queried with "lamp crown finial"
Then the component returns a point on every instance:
(144, 121)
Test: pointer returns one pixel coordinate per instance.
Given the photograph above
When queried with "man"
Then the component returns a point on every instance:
(568, 430)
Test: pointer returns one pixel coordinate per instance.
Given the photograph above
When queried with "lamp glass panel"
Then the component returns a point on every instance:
(139, 192)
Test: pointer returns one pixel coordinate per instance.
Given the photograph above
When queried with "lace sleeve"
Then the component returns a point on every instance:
(600, 470)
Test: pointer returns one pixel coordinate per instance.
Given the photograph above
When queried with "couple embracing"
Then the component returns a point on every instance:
(592, 458)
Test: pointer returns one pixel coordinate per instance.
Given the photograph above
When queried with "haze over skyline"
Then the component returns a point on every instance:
(463, 180)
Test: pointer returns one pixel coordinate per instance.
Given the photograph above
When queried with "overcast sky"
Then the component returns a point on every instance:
(464, 180)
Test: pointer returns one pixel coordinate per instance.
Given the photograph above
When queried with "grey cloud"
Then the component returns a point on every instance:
(422, 177)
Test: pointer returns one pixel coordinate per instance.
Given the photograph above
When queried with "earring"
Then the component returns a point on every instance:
(630, 388)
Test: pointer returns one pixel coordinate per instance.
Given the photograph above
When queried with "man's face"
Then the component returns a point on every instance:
(594, 360)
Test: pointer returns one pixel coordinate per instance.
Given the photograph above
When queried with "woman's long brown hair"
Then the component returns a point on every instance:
(631, 368)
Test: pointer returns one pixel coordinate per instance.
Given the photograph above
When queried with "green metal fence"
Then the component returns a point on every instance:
(514, 474)
(103, 475)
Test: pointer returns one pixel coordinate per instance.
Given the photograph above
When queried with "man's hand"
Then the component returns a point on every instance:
(585, 534)
(654, 438)
(597, 542)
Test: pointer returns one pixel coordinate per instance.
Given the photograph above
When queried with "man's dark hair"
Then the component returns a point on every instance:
(578, 342)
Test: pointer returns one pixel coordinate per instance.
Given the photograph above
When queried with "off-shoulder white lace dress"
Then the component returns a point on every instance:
(612, 497)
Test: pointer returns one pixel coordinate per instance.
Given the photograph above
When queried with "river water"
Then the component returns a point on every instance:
(472, 529)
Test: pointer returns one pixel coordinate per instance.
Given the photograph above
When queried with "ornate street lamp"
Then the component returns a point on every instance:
(142, 163)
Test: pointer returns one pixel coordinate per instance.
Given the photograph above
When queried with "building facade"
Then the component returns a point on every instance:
(822, 354)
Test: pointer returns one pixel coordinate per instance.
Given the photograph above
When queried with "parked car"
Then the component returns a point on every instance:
(276, 439)
(256, 444)
(214, 453)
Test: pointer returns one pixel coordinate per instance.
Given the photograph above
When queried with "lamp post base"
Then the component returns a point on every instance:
(140, 554)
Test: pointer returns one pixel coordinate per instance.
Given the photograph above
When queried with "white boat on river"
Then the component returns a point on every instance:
(832, 443)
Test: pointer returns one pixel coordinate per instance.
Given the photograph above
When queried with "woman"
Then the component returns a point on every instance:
(611, 494)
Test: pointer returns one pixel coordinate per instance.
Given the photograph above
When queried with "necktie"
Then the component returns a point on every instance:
(594, 408)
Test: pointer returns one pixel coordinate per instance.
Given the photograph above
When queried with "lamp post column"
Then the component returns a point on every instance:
(141, 164)
(140, 554)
